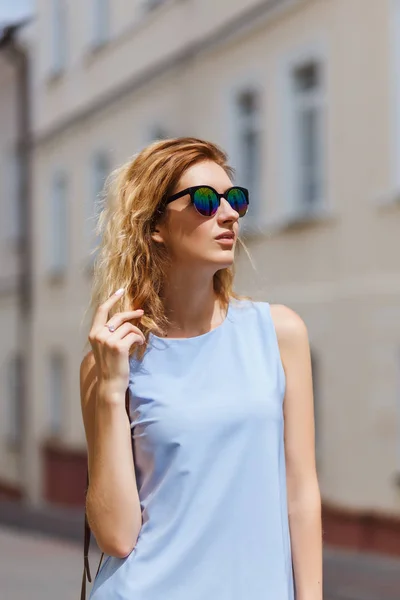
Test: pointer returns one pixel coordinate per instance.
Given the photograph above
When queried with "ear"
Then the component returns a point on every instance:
(156, 235)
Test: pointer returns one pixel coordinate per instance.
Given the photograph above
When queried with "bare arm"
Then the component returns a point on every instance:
(304, 500)
(112, 503)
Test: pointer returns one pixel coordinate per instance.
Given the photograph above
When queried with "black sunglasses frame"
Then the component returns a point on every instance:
(191, 191)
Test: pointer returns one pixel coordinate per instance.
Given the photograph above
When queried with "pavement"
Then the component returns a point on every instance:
(360, 576)
(43, 568)
(37, 567)
(41, 559)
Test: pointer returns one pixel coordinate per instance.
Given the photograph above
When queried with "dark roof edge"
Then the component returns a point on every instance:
(8, 31)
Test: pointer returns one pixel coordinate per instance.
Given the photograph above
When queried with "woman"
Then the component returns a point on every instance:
(210, 490)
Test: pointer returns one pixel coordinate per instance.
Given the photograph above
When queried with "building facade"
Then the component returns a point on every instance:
(15, 267)
(304, 95)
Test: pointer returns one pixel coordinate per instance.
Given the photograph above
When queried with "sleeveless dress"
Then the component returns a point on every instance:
(207, 439)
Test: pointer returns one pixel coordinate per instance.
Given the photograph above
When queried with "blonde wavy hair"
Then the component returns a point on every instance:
(127, 257)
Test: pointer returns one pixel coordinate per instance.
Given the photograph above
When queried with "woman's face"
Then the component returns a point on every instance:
(190, 237)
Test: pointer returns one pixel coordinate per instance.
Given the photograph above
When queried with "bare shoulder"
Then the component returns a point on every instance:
(294, 348)
(289, 326)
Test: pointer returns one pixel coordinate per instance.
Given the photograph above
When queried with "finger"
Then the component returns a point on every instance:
(101, 332)
(122, 317)
(101, 314)
(123, 330)
(132, 338)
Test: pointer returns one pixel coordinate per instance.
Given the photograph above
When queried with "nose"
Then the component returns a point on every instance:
(226, 212)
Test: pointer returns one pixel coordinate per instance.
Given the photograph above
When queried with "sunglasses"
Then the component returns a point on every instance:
(206, 200)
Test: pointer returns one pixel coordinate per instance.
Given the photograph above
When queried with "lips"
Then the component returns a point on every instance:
(226, 236)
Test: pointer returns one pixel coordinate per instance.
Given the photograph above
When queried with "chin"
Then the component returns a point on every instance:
(218, 260)
(226, 260)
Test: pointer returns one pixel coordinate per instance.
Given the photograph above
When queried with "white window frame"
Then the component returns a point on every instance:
(100, 22)
(253, 222)
(289, 176)
(58, 224)
(56, 381)
(58, 33)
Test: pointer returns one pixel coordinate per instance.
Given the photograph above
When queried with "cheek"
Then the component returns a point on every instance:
(192, 237)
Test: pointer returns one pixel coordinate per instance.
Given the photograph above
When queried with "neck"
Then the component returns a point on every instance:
(192, 307)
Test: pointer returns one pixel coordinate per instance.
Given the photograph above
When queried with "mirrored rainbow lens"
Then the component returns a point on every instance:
(238, 200)
(206, 201)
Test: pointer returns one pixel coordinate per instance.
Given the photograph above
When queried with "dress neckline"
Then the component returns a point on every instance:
(202, 336)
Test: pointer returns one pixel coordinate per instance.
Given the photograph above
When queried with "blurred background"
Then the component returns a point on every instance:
(304, 95)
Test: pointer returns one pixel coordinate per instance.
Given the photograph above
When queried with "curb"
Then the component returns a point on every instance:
(61, 523)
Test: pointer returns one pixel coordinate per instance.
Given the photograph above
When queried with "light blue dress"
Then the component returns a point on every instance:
(207, 431)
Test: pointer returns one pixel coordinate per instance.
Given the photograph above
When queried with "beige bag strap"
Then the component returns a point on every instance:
(86, 540)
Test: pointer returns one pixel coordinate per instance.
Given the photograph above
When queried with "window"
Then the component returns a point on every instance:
(56, 391)
(150, 4)
(58, 52)
(100, 21)
(12, 226)
(14, 412)
(308, 134)
(303, 142)
(395, 49)
(158, 132)
(317, 412)
(398, 417)
(99, 171)
(58, 233)
(153, 131)
(247, 150)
